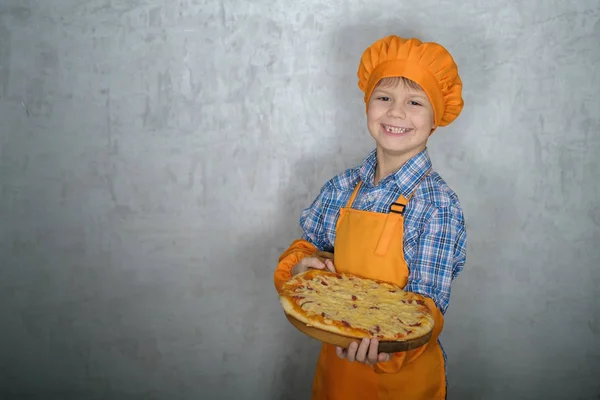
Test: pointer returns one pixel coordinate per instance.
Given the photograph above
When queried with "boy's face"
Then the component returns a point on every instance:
(400, 119)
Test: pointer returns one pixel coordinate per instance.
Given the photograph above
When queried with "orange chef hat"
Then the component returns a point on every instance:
(428, 64)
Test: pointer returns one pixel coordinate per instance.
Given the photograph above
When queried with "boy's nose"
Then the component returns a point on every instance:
(397, 111)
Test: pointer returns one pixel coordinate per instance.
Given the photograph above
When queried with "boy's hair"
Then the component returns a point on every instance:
(397, 80)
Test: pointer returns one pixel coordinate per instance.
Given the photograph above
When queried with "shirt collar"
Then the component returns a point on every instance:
(407, 177)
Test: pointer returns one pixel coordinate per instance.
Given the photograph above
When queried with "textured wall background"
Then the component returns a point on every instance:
(155, 156)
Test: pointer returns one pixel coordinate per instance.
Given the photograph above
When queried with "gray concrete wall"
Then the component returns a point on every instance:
(155, 156)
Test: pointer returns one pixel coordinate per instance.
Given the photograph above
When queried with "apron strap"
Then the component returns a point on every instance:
(353, 196)
(399, 205)
(391, 222)
(395, 215)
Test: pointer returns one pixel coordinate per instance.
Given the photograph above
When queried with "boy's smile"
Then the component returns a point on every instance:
(393, 130)
(400, 119)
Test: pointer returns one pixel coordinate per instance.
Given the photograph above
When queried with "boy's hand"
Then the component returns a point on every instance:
(312, 262)
(365, 353)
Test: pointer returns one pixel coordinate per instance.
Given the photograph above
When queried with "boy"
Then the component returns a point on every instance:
(391, 218)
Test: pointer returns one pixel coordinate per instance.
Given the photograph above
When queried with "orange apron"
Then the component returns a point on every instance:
(371, 244)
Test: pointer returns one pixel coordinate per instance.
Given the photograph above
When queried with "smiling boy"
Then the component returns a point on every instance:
(400, 119)
(392, 217)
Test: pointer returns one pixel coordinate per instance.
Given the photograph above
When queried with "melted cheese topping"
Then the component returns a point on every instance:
(380, 309)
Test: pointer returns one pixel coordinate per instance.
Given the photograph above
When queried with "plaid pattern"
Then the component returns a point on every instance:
(434, 229)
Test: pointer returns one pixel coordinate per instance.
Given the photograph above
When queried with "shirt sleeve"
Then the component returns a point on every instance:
(315, 219)
(440, 256)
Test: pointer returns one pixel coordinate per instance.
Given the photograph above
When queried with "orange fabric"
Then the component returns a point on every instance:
(428, 64)
(296, 252)
(370, 244)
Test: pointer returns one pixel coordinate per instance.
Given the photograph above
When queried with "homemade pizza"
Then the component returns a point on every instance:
(339, 307)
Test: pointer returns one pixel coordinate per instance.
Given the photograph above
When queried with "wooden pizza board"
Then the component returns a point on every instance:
(344, 341)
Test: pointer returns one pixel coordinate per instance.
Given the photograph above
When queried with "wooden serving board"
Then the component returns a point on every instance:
(344, 341)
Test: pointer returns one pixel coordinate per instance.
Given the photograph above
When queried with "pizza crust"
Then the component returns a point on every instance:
(290, 309)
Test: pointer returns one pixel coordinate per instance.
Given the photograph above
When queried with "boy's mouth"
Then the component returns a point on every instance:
(396, 130)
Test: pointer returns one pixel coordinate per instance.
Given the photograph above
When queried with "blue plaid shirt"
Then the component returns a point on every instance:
(434, 227)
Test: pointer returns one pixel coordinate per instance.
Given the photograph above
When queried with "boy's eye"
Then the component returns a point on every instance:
(414, 103)
(384, 98)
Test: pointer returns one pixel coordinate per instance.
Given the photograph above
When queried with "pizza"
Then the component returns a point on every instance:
(354, 306)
